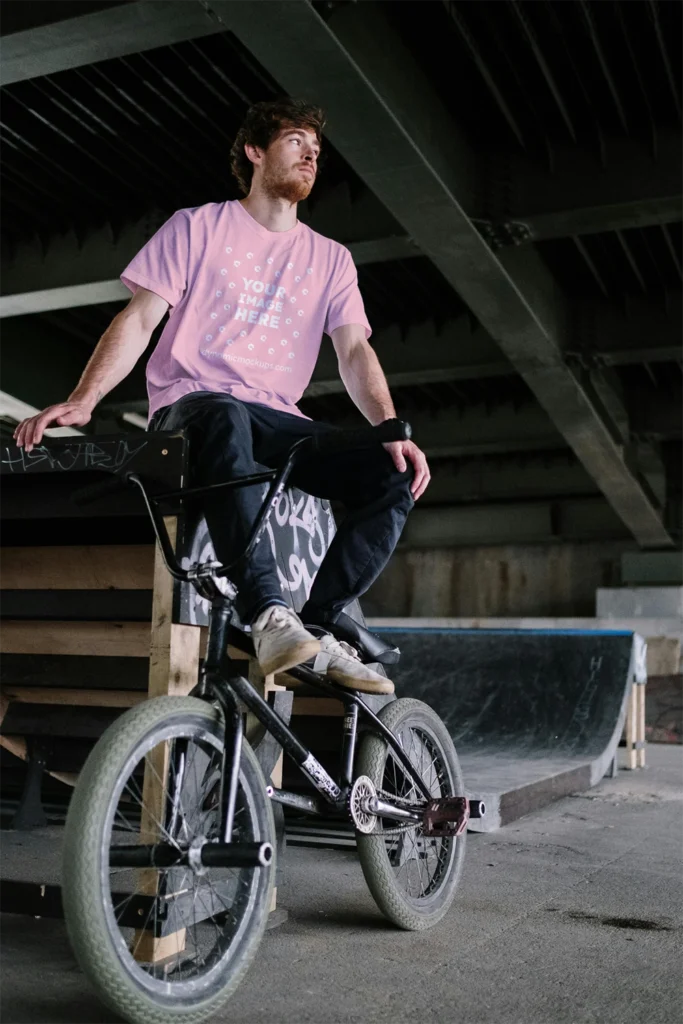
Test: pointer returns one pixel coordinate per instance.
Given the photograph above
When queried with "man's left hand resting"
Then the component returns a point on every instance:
(407, 451)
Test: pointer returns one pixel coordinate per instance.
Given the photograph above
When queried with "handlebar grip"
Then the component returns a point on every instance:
(90, 493)
(363, 437)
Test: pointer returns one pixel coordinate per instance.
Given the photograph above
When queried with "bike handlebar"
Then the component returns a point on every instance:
(334, 441)
(362, 437)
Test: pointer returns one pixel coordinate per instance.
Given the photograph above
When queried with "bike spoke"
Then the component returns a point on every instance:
(204, 910)
(419, 862)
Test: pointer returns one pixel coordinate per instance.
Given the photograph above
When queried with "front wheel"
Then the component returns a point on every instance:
(412, 877)
(164, 945)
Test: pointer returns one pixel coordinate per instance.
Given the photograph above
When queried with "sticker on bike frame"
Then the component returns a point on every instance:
(325, 783)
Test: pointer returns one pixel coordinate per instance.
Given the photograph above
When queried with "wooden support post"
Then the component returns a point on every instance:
(173, 669)
(174, 649)
(631, 729)
(635, 718)
(634, 732)
(640, 732)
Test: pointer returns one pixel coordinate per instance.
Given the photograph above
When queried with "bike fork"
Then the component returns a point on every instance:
(230, 770)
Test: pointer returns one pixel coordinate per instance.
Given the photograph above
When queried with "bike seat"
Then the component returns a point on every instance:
(370, 646)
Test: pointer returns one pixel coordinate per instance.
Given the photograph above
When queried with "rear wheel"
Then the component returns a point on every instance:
(163, 944)
(412, 877)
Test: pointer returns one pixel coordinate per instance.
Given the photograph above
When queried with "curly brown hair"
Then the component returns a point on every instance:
(261, 126)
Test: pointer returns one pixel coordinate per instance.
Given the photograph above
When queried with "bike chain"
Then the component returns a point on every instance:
(397, 829)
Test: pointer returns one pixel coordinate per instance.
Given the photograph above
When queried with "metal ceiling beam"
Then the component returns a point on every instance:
(68, 297)
(79, 272)
(641, 332)
(657, 416)
(14, 409)
(499, 478)
(88, 38)
(513, 522)
(446, 434)
(61, 359)
(383, 250)
(388, 123)
(76, 271)
(478, 431)
(422, 354)
(582, 195)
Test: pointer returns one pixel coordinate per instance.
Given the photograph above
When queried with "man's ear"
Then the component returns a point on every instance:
(253, 153)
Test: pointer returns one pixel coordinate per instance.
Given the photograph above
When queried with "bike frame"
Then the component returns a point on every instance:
(220, 679)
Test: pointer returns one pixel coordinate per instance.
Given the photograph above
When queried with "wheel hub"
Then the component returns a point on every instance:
(362, 793)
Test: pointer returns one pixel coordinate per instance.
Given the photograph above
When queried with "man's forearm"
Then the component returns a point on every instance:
(365, 382)
(115, 355)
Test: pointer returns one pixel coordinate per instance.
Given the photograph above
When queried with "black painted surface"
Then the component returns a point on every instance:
(77, 605)
(84, 671)
(53, 720)
(299, 532)
(39, 484)
(531, 692)
(534, 715)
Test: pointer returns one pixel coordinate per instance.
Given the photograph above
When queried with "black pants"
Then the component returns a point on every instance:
(229, 438)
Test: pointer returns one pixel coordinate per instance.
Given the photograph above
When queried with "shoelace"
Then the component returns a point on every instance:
(333, 646)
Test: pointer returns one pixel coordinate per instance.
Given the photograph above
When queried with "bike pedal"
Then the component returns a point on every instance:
(446, 817)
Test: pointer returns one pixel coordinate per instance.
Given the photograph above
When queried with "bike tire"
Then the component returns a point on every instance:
(90, 919)
(406, 717)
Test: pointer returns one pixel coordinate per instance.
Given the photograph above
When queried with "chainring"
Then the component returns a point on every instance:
(362, 790)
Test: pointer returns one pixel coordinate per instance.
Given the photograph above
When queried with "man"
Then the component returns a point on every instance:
(251, 291)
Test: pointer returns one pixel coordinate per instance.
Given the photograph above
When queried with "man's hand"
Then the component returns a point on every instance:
(402, 450)
(65, 414)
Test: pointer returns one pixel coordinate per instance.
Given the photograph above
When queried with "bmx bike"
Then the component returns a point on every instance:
(169, 865)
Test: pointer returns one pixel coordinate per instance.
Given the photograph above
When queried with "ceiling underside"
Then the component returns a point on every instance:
(506, 174)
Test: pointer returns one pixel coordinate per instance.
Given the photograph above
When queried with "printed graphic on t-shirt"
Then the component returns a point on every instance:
(263, 314)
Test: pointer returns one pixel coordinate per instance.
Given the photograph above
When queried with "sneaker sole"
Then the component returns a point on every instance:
(292, 657)
(362, 685)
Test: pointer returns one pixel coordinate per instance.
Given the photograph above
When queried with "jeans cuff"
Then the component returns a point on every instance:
(259, 608)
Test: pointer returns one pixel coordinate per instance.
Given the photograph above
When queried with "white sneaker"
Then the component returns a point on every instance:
(341, 662)
(280, 640)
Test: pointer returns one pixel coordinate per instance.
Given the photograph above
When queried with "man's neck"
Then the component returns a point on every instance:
(272, 214)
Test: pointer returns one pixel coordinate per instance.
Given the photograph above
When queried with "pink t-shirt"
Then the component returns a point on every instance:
(249, 305)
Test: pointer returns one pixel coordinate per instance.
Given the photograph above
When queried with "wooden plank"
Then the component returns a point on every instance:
(104, 639)
(17, 747)
(90, 567)
(149, 949)
(174, 650)
(323, 706)
(54, 720)
(82, 672)
(173, 669)
(62, 695)
(77, 605)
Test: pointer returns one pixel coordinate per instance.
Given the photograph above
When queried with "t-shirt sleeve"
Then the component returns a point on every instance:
(346, 303)
(162, 265)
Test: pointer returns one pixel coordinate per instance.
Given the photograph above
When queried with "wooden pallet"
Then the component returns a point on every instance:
(173, 651)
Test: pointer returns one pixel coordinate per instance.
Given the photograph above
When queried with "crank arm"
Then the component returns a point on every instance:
(386, 810)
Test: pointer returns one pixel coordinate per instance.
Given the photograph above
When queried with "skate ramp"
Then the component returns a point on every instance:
(534, 714)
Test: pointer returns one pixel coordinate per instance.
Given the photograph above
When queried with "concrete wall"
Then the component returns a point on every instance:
(496, 581)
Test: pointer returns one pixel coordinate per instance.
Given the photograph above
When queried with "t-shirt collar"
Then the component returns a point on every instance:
(271, 236)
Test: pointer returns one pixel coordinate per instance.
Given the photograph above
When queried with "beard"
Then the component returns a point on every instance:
(293, 187)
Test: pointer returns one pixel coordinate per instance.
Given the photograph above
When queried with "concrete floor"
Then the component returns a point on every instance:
(572, 915)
